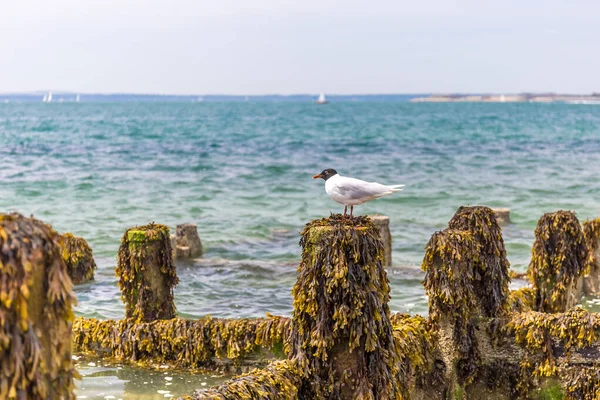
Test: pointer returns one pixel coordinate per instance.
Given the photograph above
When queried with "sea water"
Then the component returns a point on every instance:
(242, 172)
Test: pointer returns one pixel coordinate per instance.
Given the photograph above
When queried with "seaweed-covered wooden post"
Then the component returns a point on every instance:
(559, 258)
(35, 312)
(342, 336)
(78, 258)
(466, 279)
(147, 273)
(591, 231)
(491, 279)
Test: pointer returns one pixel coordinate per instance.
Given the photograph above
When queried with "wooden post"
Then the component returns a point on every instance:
(591, 282)
(559, 258)
(35, 312)
(342, 336)
(188, 241)
(465, 280)
(502, 215)
(78, 258)
(147, 273)
(382, 222)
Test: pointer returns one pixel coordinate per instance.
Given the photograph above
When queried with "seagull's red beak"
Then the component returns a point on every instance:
(317, 176)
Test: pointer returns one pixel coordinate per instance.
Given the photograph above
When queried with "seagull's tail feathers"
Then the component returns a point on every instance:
(396, 188)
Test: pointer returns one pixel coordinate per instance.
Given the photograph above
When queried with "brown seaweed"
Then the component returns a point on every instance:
(78, 258)
(558, 258)
(36, 298)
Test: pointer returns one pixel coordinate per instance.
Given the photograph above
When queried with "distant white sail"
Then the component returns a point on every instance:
(49, 98)
(321, 99)
(77, 98)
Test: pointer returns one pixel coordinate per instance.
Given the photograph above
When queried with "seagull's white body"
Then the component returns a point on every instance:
(352, 191)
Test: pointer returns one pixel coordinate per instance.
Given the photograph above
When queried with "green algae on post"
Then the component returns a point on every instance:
(182, 343)
(342, 338)
(147, 273)
(36, 298)
(491, 280)
(78, 258)
(559, 257)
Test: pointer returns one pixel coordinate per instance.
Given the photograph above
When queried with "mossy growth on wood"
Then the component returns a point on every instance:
(342, 337)
(543, 336)
(78, 258)
(182, 343)
(36, 298)
(281, 380)
(451, 263)
(146, 273)
(559, 257)
(491, 279)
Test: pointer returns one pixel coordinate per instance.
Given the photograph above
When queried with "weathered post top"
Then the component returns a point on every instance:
(147, 273)
(188, 239)
(35, 312)
(559, 258)
(78, 258)
(342, 336)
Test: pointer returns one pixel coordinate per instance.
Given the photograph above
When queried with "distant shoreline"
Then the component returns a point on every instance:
(594, 98)
(72, 97)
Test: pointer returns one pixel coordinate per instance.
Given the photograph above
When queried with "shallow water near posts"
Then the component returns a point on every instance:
(102, 380)
(243, 172)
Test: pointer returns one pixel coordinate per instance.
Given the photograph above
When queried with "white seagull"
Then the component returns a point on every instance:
(352, 191)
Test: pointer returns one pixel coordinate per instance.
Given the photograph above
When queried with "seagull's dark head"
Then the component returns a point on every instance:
(326, 174)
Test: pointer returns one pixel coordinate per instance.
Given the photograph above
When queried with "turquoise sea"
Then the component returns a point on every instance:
(242, 172)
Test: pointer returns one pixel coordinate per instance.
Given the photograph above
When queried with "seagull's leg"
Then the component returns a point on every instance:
(351, 209)
(345, 209)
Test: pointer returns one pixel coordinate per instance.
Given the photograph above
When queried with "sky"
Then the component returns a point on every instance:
(284, 47)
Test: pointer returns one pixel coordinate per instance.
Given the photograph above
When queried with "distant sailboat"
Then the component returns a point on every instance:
(77, 98)
(321, 99)
(47, 98)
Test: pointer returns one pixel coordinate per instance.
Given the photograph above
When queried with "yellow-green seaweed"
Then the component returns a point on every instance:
(35, 312)
(522, 299)
(415, 342)
(78, 258)
(451, 259)
(591, 232)
(559, 257)
(147, 273)
(491, 279)
(342, 338)
(281, 380)
(541, 334)
(182, 343)
(581, 383)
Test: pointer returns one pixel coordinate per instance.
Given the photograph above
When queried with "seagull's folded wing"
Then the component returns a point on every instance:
(355, 189)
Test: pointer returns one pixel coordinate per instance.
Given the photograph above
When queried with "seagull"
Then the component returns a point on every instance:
(352, 191)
